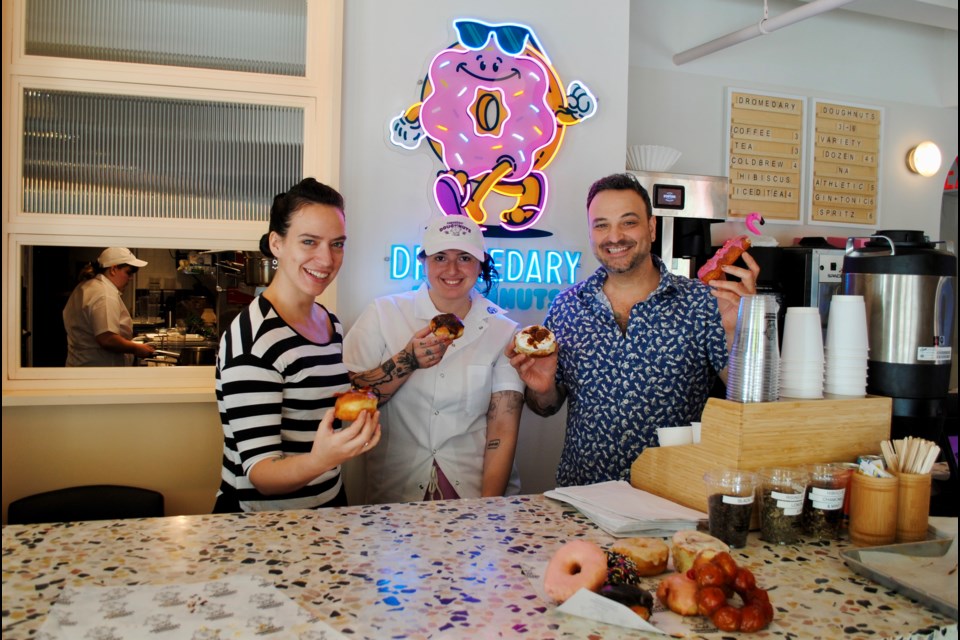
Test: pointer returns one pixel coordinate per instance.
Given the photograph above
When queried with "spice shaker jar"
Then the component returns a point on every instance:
(781, 496)
(730, 496)
(823, 504)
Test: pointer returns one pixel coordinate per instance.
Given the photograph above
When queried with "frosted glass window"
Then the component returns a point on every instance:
(120, 155)
(258, 36)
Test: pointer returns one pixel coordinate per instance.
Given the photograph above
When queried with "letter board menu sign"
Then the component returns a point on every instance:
(765, 155)
(846, 164)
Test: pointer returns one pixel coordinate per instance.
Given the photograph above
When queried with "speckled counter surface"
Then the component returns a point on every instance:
(426, 570)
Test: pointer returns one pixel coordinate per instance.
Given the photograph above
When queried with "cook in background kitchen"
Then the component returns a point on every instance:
(451, 410)
(99, 326)
(280, 365)
(639, 347)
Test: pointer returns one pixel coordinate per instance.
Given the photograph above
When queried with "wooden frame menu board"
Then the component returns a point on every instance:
(765, 150)
(845, 164)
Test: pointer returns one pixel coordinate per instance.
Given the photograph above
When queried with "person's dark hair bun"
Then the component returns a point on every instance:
(265, 245)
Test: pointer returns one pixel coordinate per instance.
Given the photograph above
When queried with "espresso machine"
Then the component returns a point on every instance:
(685, 206)
(812, 272)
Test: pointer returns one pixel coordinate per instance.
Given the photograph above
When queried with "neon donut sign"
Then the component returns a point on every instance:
(494, 111)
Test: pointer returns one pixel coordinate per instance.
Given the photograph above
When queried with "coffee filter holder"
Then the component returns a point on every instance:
(649, 157)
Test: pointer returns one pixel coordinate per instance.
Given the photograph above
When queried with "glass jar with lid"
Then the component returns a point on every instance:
(781, 493)
(823, 503)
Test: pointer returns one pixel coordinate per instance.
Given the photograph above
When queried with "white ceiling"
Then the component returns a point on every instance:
(933, 13)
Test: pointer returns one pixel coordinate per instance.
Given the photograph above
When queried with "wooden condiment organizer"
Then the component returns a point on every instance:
(752, 436)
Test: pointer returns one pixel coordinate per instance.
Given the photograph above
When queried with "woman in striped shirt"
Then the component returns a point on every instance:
(280, 364)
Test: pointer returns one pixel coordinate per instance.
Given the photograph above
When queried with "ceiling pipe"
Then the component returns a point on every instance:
(762, 28)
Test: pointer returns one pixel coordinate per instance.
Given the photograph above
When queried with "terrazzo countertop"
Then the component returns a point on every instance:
(453, 569)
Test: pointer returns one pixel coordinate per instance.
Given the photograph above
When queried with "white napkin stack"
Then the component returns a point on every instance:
(623, 511)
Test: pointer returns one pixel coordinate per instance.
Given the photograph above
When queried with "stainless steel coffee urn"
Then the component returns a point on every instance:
(908, 286)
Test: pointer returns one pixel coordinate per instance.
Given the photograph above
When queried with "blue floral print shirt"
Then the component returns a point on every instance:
(621, 387)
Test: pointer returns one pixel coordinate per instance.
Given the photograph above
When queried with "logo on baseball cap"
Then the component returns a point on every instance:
(119, 255)
(453, 232)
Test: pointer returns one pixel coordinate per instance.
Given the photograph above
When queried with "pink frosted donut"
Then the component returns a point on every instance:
(726, 255)
(465, 113)
(577, 564)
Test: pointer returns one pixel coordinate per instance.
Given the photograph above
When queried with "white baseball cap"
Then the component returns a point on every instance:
(453, 232)
(119, 255)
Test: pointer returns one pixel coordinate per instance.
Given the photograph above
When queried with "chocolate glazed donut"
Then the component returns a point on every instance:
(446, 325)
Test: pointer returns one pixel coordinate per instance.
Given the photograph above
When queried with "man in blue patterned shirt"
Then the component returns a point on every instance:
(639, 347)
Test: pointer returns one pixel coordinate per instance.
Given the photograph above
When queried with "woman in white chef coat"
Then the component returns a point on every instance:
(99, 326)
(450, 408)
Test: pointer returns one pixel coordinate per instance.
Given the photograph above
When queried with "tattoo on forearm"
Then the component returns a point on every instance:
(545, 409)
(393, 369)
(493, 444)
(370, 379)
(406, 363)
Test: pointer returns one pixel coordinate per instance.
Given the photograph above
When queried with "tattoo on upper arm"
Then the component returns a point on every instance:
(504, 403)
(493, 444)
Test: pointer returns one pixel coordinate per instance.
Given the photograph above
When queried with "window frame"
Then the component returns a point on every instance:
(318, 93)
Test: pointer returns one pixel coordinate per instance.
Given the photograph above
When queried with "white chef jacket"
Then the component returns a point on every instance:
(439, 413)
(95, 307)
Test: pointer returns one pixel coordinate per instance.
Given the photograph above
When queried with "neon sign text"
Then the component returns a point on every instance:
(514, 266)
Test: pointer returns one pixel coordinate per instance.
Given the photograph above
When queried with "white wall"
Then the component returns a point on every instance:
(909, 70)
(622, 50)
(388, 47)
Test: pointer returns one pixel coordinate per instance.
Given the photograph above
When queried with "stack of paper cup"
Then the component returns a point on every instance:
(753, 371)
(847, 347)
(801, 356)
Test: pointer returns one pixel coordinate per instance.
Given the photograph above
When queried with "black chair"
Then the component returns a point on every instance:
(92, 502)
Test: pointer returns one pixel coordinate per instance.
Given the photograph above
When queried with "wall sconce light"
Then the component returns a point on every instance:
(924, 159)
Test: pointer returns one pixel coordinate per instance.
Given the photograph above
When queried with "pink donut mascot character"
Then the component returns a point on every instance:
(494, 111)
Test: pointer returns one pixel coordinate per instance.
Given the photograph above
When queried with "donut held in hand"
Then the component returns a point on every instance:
(350, 403)
(727, 254)
(446, 325)
(578, 564)
(536, 341)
